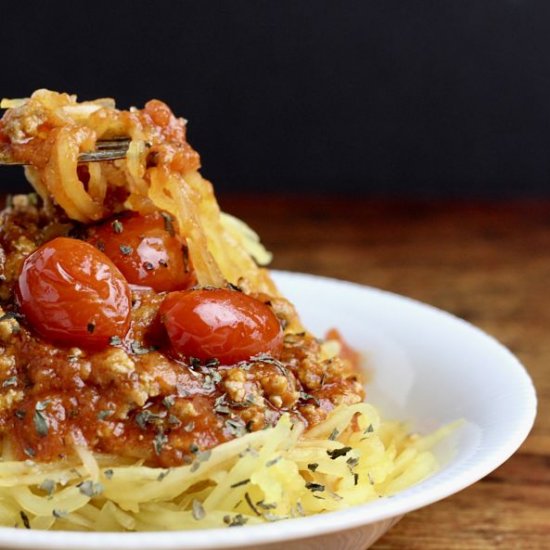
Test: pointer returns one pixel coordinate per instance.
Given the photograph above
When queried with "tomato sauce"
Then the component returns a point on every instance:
(137, 394)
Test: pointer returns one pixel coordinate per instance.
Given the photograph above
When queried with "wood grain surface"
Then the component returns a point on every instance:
(488, 263)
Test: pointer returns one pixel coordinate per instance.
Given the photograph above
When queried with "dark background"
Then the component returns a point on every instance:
(384, 98)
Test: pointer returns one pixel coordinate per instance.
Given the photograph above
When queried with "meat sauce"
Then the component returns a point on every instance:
(136, 396)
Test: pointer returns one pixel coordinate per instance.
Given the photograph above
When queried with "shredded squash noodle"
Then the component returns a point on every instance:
(350, 458)
(309, 454)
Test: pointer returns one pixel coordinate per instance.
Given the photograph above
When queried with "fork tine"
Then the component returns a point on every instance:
(111, 149)
(115, 143)
(103, 154)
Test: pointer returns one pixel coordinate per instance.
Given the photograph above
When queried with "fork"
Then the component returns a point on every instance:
(107, 149)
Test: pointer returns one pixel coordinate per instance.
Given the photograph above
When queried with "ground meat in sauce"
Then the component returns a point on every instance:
(136, 400)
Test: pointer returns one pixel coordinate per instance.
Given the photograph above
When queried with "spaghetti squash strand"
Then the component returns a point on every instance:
(62, 180)
(169, 192)
(259, 477)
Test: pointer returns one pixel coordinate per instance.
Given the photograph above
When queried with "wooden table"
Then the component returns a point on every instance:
(486, 262)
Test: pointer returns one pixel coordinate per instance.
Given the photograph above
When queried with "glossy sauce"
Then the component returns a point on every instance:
(131, 395)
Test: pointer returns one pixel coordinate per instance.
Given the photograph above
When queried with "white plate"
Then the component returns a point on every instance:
(430, 368)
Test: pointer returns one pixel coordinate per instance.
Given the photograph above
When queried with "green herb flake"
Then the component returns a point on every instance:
(159, 442)
(369, 429)
(109, 474)
(223, 409)
(273, 461)
(163, 474)
(48, 485)
(355, 479)
(200, 457)
(334, 434)
(198, 511)
(220, 405)
(251, 504)
(313, 466)
(208, 383)
(40, 422)
(20, 413)
(336, 453)
(249, 451)
(240, 483)
(146, 417)
(117, 226)
(266, 505)
(168, 401)
(216, 376)
(236, 427)
(125, 249)
(235, 521)
(300, 509)
(90, 489)
(59, 513)
(194, 362)
(25, 520)
(168, 223)
(190, 426)
(103, 415)
(315, 487)
(30, 452)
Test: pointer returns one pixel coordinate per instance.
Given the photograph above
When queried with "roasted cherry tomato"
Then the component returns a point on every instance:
(72, 294)
(146, 249)
(218, 323)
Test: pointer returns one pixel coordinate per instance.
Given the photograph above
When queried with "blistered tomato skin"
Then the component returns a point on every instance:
(72, 294)
(146, 249)
(218, 323)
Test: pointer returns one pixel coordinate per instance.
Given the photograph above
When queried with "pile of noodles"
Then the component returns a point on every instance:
(280, 472)
(277, 473)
